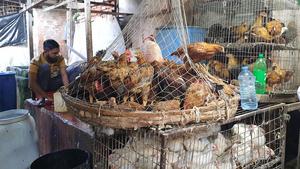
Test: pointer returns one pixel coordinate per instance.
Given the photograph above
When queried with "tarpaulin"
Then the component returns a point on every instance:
(12, 29)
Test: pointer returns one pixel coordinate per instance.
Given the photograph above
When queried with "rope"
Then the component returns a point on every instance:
(197, 112)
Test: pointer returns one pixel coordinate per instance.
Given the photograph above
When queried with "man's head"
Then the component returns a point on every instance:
(51, 50)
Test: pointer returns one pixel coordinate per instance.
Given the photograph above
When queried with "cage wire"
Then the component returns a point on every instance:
(158, 71)
(247, 28)
(250, 140)
(9, 7)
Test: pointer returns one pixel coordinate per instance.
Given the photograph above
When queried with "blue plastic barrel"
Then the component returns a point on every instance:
(168, 39)
(7, 91)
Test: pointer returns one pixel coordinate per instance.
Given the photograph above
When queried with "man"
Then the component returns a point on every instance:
(47, 73)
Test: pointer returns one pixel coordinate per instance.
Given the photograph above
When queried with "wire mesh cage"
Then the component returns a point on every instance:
(250, 140)
(10, 7)
(151, 76)
(248, 28)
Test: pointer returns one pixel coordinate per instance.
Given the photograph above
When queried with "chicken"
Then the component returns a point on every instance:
(291, 33)
(199, 158)
(261, 34)
(139, 79)
(195, 144)
(249, 134)
(167, 83)
(258, 31)
(277, 76)
(196, 95)
(242, 153)
(220, 144)
(263, 153)
(215, 33)
(219, 69)
(199, 51)
(240, 30)
(152, 51)
(275, 27)
(175, 145)
(259, 21)
(232, 62)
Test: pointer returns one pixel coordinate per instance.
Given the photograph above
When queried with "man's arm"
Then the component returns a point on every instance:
(64, 76)
(35, 86)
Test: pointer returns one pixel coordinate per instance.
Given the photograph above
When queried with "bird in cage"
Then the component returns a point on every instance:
(240, 31)
(276, 28)
(167, 83)
(291, 33)
(277, 76)
(219, 69)
(199, 51)
(151, 49)
(196, 95)
(258, 31)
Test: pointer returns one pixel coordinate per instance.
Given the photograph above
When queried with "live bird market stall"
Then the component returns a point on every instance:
(157, 111)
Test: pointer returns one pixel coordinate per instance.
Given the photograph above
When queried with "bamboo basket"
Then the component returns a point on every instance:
(122, 118)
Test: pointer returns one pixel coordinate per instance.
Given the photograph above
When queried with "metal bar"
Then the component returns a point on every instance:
(251, 113)
(69, 31)
(102, 4)
(57, 5)
(106, 12)
(293, 106)
(201, 130)
(285, 111)
(76, 52)
(163, 153)
(29, 30)
(33, 5)
(88, 30)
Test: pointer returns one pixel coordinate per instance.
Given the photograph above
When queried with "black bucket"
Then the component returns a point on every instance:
(64, 159)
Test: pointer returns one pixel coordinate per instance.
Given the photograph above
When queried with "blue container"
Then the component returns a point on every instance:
(168, 40)
(7, 91)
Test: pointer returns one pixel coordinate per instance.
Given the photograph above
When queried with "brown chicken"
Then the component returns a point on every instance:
(219, 69)
(199, 51)
(196, 95)
(258, 31)
(240, 30)
(275, 27)
(139, 80)
(232, 62)
(277, 76)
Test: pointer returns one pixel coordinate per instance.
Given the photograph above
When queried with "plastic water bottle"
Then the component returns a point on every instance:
(247, 89)
(260, 73)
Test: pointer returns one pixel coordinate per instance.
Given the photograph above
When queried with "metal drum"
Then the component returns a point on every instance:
(18, 139)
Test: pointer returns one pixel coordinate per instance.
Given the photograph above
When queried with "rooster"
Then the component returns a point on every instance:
(152, 51)
(199, 51)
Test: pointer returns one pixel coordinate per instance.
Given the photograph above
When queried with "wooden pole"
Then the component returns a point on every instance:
(70, 31)
(29, 30)
(88, 29)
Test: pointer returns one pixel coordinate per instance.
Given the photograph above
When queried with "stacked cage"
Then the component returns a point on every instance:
(248, 28)
(250, 140)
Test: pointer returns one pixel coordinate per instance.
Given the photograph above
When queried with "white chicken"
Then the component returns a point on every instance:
(226, 165)
(195, 143)
(145, 162)
(172, 158)
(220, 144)
(250, 134)
(199, 158)
(242, 153)
(122, 158)
(175, 145)
(264, 153)
(151, 50)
